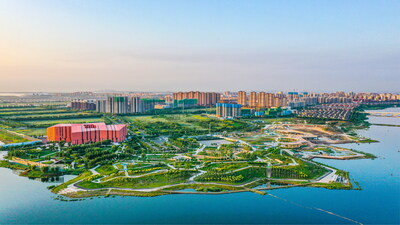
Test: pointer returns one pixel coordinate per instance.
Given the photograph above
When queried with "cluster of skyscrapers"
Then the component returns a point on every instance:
(297, 99)
(203, 98)
(228, 110)
(261, 99)
(127, 104)
(254, 101)
(303, 99)
(370, 97)
(120, 105)
(83, 104)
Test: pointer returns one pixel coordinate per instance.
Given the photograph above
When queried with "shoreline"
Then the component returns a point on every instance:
(74, 190)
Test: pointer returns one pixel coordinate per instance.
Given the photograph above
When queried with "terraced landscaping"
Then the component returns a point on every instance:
(10, 138)
(33, 120)
(185, 124)
(164, 153)
(48, 123)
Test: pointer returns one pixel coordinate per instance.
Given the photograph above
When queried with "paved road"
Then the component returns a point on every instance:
(199, 149)
(330, 176)
(191, 179)
(2, 154)
(326, 178)
(93, 170)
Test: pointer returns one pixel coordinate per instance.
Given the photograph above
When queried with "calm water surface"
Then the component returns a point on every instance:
(28, 201)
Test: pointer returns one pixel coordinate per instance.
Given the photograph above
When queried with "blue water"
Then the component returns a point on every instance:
(27, 201)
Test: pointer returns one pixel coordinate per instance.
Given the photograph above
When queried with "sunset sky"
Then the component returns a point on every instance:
(215, 45)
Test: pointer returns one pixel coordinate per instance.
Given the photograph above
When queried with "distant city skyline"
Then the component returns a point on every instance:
(183, 45)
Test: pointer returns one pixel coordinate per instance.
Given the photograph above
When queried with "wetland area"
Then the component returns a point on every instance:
(375, 201)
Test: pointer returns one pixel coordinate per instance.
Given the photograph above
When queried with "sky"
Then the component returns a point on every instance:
(204, 45)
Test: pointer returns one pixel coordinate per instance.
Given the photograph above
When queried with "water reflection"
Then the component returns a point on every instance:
(57, 179)
(25, 201)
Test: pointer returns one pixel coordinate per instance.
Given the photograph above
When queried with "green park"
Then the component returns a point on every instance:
(171, 152)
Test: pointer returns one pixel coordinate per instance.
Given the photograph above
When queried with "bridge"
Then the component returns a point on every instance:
(384, 114)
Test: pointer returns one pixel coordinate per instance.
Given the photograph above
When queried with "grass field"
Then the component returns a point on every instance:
(32, 120)
(65, 185)
(106, 170)
(47, 115)
(9, 138)
(258, 139)
(183, 124)
(160, 118)
(277, 120)
(185, 120)
(33, 104)
(32, 111)
(35, 155)
(150, 181)
(47, 123)
(20, 109)
(32, 131)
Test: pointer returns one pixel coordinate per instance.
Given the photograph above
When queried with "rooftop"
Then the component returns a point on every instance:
(91, 126)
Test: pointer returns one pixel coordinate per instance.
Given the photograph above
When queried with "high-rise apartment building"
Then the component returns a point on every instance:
(269, 100)
(135, 105)
(242, 98)
(117, 104)
(253, 99)
(279, 101)
(203, 98)
(150, 103)
(83, 104)
(262, 100)
(122, 105)
(228, 110)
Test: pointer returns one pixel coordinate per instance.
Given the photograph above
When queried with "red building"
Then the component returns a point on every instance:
(84, 133)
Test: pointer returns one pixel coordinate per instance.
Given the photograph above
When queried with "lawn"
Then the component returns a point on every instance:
(42, 117)
(33, 112)
(258, 139)
(7, 164)
(183, 124)
(224, 167)
(241, 176)
(19, 109)
(49, 115)
(276, 120)
(65, 185)
(180, 119)
(39, 174)
(142, 171)
(33, 131)
(150, 181)
(9, 138)
(48, 123)
(106, 169)
(31, 154)
(304, 170)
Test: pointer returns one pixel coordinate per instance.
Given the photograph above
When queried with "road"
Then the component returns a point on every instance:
(93, 170)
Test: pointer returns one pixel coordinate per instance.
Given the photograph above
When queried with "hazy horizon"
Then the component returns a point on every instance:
(182, 45)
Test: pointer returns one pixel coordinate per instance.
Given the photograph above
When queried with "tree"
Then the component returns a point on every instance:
(44, 169)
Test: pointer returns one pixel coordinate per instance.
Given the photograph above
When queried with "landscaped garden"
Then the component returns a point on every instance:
(8, 138)
(163, 154)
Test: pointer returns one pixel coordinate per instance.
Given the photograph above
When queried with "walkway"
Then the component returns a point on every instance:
(93, 170)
